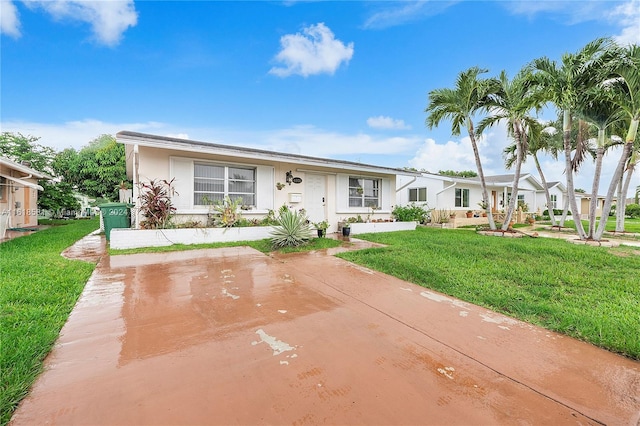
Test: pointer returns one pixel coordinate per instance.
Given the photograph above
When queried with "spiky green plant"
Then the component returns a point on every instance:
(292, 229)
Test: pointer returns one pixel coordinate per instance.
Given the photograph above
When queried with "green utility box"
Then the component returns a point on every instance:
(115, 215)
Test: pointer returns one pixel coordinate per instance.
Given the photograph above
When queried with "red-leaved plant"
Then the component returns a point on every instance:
(155, 203)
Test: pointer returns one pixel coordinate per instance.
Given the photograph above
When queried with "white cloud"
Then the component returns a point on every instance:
(76, 134)
(108, 19)
(305, 140)
(382, 122)
(314, 51)
(389, 14)
(628, 15)
(9, 20)
(625, 15)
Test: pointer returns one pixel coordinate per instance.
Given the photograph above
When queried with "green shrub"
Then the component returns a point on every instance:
(292, 229)
(633, 210)
(556, 212)
(410, 213)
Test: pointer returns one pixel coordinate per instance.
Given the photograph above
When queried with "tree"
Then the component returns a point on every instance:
(562, 84)
(57, 198)
(459, 105)
(512, 103)
(462, 174)
(97, 169)
(625, 87)
(20, 148)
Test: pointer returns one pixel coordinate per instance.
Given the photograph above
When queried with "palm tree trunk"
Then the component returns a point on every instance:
(483, 183)
(612, 188)
(620, 208)
(626, 153)
(546, 191)
(593, 204)
(569, 172)
(518, 135)
(622, 199)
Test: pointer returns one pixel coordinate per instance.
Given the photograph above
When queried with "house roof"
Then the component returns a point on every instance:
(156, 141)
(23, 169)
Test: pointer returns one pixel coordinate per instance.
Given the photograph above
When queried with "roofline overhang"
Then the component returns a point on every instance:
(23, 169)
(23, 182)
(155, 141)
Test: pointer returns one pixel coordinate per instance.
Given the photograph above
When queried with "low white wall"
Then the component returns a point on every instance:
(136, 238)
(373, 227)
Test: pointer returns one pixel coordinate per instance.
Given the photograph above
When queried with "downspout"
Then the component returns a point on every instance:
(445, 189)
(407, 184)
(136, 188)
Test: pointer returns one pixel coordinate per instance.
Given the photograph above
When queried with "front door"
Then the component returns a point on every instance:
(315, 195)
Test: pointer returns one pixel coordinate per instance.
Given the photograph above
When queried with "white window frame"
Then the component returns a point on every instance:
(226, 182)
(554, 201)
(417, 195)
(464, 200)
(369, 192)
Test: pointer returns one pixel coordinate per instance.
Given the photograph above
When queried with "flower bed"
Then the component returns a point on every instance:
(137, 238)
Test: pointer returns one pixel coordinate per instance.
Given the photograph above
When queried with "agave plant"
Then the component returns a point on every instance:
(292, 229)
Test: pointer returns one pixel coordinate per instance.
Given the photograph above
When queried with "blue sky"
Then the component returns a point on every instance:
(346, 80)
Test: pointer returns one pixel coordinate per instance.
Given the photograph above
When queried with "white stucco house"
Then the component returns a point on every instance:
(459, 195)
(18, 195)
(327, 189)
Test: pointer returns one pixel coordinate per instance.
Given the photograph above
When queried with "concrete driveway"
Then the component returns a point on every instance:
(232, 336)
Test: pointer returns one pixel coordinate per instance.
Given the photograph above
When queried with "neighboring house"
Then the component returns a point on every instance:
(583, 200)
(18, 194)
(327, 189)
(558, 194)
(462, 194)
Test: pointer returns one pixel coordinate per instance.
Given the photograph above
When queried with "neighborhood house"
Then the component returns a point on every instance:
(18, 195)
(331, 190)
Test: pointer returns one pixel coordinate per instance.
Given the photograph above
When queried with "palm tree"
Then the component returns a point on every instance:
(459, 105)
(563, 83)
(596, 107)
(512, 102)
(625, 87)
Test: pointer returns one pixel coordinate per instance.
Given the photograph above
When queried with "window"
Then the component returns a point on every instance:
(462, 197)
(417, 194)
(213, 182)
(3, 185)
(364, 192)
(520, 198)
(554, 201)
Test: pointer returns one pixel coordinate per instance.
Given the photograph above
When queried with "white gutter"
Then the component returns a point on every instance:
(22, 182)
(448, 187)
(407, 184)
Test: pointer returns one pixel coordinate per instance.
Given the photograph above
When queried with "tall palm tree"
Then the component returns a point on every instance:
(512, 103)
(563, 83)
(459, 105)
(596, 107)
(625, 87)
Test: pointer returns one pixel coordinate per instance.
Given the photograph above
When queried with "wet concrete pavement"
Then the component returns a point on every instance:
(231, 336)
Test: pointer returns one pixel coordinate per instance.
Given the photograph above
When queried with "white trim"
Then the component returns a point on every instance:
(23, 182)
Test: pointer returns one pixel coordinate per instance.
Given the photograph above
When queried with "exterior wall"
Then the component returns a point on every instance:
(155, 163)
(542, 200)
(20, 203)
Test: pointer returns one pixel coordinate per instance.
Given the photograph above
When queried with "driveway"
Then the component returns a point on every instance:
(232, 336)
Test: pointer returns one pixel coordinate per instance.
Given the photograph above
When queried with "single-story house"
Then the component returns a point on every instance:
(18, 195)
(331, 190)
(459, 195)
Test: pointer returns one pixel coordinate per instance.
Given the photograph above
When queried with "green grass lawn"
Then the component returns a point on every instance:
(630, 225)
(590, 293)
(38, 289)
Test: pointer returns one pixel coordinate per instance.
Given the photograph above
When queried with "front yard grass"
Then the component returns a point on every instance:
(590, 293)
(38, 289)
